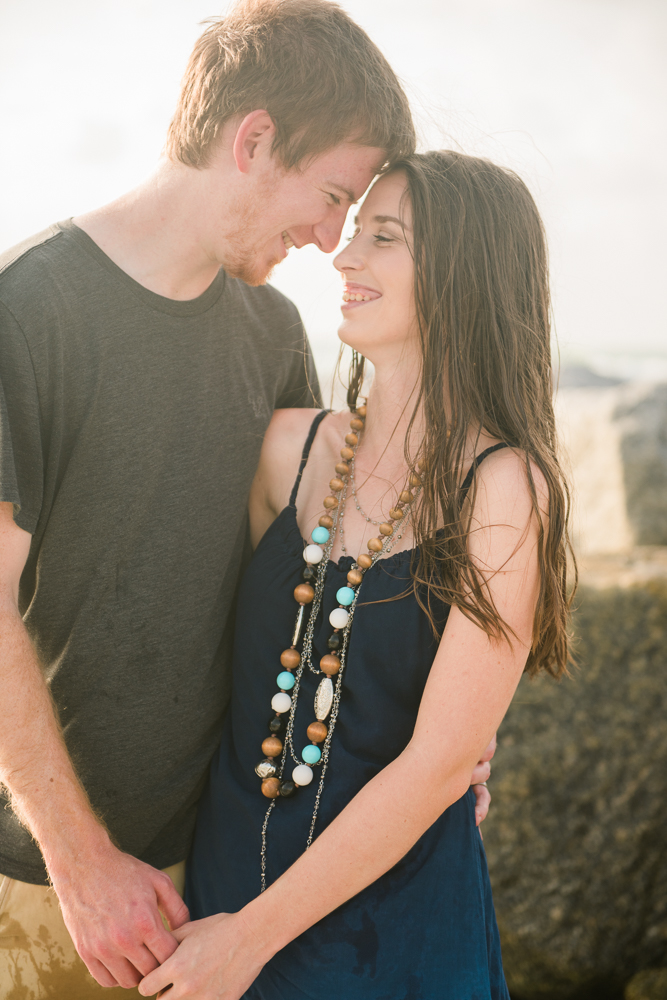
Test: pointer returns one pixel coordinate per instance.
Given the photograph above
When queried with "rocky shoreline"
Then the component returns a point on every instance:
(576, 836)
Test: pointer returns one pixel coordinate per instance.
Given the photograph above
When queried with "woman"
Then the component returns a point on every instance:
(434, 575)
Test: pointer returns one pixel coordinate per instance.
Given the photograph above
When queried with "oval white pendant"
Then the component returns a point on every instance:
(324, 699)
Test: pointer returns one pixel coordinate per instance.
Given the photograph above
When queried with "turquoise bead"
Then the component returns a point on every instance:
(285, 680)
(311, 754)
(320, 535)
(345, 596)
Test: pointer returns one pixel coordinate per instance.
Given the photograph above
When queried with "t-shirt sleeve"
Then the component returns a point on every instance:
(21, 464)
(302, 387)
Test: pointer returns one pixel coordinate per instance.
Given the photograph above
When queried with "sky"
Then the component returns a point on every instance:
(570, 93)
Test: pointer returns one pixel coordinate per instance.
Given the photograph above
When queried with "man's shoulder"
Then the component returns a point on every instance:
(27, 252)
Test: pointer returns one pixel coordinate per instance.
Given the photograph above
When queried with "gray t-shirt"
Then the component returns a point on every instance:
(130, 430)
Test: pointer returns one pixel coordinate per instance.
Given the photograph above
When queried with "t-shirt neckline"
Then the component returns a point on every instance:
(175, 307)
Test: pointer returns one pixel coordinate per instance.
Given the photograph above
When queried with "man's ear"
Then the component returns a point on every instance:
(254, 136)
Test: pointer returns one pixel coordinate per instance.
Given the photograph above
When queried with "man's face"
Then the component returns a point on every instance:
(286, 208)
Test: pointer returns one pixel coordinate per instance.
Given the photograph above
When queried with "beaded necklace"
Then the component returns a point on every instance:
(279, 745)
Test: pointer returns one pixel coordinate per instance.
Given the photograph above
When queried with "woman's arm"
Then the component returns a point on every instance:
(470, 687)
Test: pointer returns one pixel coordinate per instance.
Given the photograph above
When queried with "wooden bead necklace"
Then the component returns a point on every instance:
(280, 741)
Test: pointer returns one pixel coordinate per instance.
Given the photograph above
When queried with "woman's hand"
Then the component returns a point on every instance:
(478, 781)
(217, 959)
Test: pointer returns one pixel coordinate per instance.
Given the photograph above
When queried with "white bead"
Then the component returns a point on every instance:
(313, 554)
(324, 699)
(281, 702)
(339, 617)
(302, 775)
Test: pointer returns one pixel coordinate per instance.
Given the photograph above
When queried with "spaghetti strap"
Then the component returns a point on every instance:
(305, 453)
(465, 486)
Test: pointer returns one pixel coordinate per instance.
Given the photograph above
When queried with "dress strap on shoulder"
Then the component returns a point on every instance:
(467, 482)
(305, 453)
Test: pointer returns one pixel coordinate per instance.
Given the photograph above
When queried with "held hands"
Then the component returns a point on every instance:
(111, 907)
(217, 959)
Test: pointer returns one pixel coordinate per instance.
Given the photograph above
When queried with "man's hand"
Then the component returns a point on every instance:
(217, 959)
(482, 773)
(111, 907)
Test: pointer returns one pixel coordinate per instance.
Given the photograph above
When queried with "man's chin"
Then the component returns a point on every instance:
(252, 273)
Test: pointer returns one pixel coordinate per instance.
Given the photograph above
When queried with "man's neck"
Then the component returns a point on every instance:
(155, 234)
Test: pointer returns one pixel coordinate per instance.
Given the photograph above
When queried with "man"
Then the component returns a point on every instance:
(141, 357)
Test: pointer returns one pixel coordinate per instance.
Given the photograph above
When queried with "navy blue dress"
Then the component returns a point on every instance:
(427, 928)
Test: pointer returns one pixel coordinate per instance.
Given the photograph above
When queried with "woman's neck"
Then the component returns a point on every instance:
(391, 403)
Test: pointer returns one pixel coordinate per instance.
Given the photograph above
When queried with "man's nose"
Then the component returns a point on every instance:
(328, 233)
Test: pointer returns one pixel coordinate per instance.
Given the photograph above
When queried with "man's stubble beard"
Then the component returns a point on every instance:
(241, 262)
(242, 257)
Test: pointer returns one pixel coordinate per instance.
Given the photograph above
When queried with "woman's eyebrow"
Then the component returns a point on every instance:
(384, 218)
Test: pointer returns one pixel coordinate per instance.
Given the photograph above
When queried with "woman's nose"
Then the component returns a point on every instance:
(348, 259)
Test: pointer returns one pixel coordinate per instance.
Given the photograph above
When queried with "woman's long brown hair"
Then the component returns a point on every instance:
(482, 298)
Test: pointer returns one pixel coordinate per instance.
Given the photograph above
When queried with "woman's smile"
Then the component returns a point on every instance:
(355, 295)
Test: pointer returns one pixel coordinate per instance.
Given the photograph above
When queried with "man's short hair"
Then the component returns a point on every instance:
(305, 62)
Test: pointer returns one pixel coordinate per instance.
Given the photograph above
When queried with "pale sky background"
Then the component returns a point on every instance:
(570, 93)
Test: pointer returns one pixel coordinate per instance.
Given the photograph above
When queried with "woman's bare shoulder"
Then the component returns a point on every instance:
(285, 437)
(281, 452)
(503, 483)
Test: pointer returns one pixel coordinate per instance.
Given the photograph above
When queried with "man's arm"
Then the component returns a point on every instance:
(110, 900)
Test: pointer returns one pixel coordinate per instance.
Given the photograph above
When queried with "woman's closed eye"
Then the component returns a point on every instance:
(378, 237)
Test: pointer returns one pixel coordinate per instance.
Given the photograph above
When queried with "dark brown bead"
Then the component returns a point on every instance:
(355, 576)
(290, 658)
(386, 529)
(406, 496)
(334, 641)
(336, 485)
(330, 503)
(422, 464)
(347, 454)
(317, 732)
(287, 788)
(343, 469)
(364, 561)
(352, 440)
(304, 593)
(272, 746)
(361, 410)
(329, 664)
(396, 513)
(308, 573)
(414, 479)
(276, 725)
(374, 544)
(357, 424)
(326, 522)
(271, 788)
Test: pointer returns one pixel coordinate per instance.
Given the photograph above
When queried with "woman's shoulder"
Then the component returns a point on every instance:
(281, 453)
(503, 483)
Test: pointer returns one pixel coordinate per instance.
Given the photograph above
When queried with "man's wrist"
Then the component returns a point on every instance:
(68, 852)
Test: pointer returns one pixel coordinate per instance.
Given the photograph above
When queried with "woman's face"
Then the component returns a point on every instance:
(377, 268)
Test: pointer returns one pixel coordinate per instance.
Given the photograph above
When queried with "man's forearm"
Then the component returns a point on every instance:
(34, 763)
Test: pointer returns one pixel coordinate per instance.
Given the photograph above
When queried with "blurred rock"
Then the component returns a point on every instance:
(580, 377)
(641, 416)
(648, 985)
(576, 836)
(615, 444)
